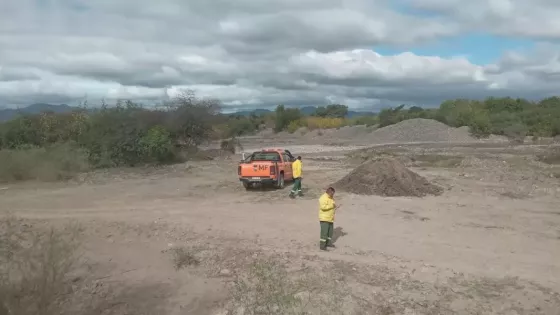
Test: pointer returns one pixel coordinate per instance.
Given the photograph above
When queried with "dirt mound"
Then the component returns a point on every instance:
(386, 177)
(420, 130)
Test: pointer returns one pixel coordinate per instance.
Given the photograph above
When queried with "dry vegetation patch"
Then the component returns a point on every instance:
(268, 288)
(183, 257)
(36, 268)
(552, 157)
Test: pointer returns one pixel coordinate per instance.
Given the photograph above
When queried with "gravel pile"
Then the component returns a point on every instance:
(351, 132)
(386, 177)
(420, 130)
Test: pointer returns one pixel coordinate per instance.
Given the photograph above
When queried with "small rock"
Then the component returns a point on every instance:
(225, 272)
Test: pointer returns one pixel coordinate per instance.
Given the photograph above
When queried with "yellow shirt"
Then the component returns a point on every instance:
(326, 208)
(296, 168)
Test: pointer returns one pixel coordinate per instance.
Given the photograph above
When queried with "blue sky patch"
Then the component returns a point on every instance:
(477, 48)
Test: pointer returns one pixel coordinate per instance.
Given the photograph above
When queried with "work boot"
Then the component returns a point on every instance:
(292, 195)
(300, 193)
(331, 245)
(323, 246)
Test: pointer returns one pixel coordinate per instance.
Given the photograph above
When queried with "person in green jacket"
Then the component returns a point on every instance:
(296, 171)
(327, 207)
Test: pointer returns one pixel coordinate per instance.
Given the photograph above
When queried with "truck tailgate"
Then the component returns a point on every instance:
(256, 170)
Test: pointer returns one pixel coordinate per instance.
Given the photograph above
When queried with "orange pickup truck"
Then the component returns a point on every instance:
(268, 166)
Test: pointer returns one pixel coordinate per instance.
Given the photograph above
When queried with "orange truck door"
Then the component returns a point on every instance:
(288, 172)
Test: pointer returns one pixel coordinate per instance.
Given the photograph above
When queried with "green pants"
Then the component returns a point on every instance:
(297, 186)
(326, 234)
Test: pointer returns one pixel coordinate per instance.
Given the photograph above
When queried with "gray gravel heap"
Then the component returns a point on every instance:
(420, 130)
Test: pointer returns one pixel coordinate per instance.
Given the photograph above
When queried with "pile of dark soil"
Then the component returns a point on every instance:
(386, 177)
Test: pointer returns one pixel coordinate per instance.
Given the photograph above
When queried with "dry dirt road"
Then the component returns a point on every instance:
(489, 245)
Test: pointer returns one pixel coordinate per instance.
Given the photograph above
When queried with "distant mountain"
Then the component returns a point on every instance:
(258, 112)
(10, 113)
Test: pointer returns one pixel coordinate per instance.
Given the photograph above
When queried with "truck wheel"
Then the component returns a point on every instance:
(247, 186)
(280, 183)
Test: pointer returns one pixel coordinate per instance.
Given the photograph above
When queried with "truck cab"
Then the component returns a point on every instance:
(266, 167)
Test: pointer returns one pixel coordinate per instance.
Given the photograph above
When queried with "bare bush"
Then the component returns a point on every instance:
(183, 257)
(231, 145)
(35, 268)
(192, 118)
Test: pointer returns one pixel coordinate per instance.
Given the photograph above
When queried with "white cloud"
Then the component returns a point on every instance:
(371, 66)
(261, 53)
(536, 18)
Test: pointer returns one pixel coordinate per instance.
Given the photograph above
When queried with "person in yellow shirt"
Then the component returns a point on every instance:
(297, 171)
(327, 207)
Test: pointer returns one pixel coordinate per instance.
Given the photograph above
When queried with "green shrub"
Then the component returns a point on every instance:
(479, 124)
(157, 146)
(113, 137)
(368, 120)
(294, 126)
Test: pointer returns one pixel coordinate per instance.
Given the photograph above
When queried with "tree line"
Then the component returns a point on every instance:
(128, 134)
(512, 117)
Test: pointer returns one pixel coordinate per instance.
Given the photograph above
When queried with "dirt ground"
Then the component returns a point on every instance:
(490, 244)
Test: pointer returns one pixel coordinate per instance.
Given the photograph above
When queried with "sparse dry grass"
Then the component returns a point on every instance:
(437, 160)
(58, 162)
(36, 267)
(183, 257)
(372, 154)
(519, 194)
(268, 288)
(552, 157)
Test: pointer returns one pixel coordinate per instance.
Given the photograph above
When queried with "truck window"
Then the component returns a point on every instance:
(265, 156)
(285, 157)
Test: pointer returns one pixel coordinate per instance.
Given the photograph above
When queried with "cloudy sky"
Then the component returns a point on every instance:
(367, 54)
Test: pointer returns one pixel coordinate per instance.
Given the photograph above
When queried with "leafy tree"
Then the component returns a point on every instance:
(389, 116)
(113, 137)
(331, 111)
(284, 116)
(238, 125)
(415, 110)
